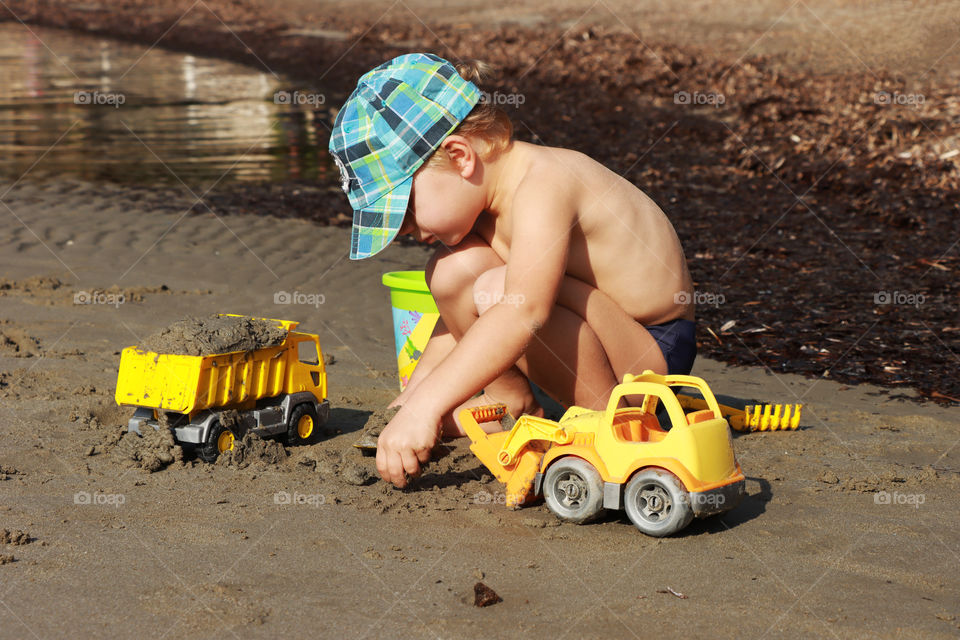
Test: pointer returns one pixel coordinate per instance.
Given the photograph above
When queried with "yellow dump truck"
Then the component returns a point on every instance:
(276, 391)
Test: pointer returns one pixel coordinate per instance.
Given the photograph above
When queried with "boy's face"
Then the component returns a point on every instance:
(443, 206)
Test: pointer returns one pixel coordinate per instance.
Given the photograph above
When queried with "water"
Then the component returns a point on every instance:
(96, 109)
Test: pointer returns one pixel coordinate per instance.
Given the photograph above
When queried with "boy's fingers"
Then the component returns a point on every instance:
(396, 465)
(395, 473)
(382, 462)
(384, 466)
(410, 463)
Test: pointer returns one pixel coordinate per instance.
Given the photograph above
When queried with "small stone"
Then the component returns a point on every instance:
(484, 596)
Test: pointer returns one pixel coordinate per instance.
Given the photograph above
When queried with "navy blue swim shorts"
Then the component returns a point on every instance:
(677, 340)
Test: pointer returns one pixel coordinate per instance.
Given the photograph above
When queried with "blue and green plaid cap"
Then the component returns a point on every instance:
(397, 116)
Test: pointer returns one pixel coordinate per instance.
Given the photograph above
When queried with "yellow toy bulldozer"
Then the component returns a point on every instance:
(618, 458)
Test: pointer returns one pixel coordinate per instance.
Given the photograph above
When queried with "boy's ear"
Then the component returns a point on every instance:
(462, 156)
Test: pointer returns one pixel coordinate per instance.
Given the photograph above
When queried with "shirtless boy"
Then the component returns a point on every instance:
(550, 268)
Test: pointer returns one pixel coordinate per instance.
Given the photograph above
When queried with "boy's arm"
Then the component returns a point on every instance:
(535, 268)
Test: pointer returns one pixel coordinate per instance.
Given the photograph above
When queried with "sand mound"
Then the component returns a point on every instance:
(887, 479)
(152, 451)
(35, 284)
(252, 449)
(371, 430)
(6, 471)
(196, 336)
(345, 467)
(16, 342)
(27, 383)
(14, 537)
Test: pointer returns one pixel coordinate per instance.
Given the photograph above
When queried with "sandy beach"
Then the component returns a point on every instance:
(848, 529)
(198, 548)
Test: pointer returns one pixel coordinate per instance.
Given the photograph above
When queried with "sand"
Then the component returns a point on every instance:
(252, 450)
(214, 334)
(858, 507)
(14, 537)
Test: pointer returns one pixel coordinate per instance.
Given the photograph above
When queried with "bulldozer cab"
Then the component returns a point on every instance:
(644, 407)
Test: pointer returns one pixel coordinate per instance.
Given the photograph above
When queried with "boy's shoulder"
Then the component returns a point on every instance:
(547, 193)
(555, 176)
(565, 167)
(554, 165)
(558, 159)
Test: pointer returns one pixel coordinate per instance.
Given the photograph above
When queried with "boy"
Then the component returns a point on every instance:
(552, 269)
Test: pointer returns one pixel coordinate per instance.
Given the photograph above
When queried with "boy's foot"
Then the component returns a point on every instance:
(516, 407)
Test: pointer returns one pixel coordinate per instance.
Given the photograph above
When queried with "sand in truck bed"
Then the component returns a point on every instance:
(203, 336)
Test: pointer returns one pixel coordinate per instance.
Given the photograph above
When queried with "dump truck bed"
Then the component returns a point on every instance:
(186, 384)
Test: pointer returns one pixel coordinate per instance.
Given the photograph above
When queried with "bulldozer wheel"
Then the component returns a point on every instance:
(303, 424)
(218, 441)
(657, 502)
(573, 490)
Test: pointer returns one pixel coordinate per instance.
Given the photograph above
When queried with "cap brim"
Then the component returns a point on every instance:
(377, 224)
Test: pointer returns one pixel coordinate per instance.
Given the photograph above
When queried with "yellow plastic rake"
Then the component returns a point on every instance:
(761, 417)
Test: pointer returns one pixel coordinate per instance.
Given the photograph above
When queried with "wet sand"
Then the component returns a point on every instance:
(313, 544)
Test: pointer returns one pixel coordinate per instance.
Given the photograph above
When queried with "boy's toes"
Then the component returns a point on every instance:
(516, 407)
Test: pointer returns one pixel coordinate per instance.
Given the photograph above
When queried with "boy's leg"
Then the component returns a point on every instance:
(608, 343)
(451, 274)
(628, 344)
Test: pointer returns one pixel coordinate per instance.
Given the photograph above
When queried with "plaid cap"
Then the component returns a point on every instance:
(397, 116)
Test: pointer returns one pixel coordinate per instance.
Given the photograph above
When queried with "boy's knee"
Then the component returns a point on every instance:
(450, 272)
(488, 288)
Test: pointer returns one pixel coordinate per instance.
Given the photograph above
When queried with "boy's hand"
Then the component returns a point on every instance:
(405, 443)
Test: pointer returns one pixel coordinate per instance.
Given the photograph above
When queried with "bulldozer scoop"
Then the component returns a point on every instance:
(518, 476)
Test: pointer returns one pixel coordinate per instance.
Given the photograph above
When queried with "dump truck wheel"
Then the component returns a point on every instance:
(573, 490)
(303, 424)
(657, 503)
(219, 441)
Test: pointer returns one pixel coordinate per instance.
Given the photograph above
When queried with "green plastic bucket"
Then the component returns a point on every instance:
(414, 316)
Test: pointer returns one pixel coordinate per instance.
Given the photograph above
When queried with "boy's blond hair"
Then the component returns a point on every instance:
(487, 124)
